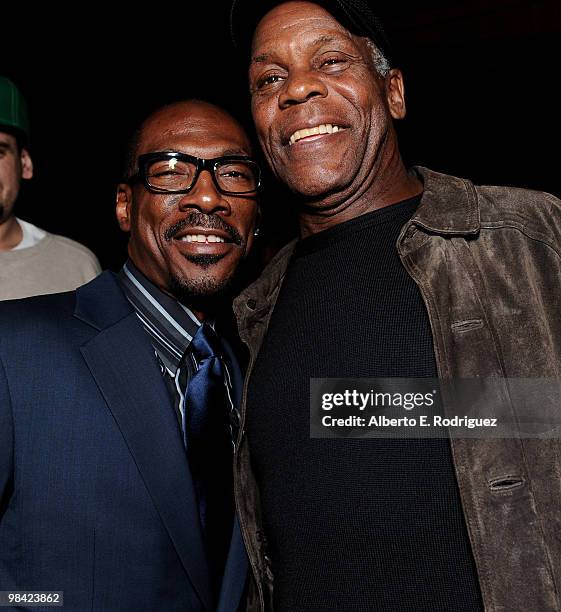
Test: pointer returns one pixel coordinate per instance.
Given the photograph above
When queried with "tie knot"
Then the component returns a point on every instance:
(205, 344)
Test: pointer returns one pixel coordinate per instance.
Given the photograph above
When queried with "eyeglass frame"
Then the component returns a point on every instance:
(200, 164)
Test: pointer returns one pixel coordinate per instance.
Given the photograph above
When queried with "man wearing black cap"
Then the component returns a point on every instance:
(405, 274)
(32, 261)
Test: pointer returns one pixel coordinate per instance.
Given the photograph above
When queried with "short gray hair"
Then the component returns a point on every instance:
(380, 61)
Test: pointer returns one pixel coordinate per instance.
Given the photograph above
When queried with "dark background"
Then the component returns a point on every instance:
(481, 81)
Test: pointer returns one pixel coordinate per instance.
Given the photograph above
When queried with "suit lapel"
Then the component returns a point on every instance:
(121, 360)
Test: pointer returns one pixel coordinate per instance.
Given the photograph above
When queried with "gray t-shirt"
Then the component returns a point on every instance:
(51, 264)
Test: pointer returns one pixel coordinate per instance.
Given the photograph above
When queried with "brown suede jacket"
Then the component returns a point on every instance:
(487, 261)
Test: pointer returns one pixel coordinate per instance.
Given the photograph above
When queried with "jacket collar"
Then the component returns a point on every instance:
(101, 302)
(261, 293)
(449, 205)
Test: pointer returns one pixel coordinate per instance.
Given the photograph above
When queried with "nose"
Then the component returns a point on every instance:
(300, 87)
(204, 196)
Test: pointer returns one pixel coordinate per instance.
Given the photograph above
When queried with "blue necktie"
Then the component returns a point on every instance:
(209, 446)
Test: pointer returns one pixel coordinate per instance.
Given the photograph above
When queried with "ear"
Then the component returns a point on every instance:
(395, 93)
(26, 164)
(123, 206)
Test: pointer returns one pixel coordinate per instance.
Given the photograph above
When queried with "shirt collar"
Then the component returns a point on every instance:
(169, 323)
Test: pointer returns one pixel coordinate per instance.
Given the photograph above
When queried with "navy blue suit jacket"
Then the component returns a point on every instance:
(96, 495)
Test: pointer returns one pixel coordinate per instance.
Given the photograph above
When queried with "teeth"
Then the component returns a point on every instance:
(324, 128)
(202, 238)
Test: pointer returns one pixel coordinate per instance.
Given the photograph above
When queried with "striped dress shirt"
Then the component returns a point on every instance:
(171, 326)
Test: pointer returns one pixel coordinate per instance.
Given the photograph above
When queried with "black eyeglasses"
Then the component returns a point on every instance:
(174, 172)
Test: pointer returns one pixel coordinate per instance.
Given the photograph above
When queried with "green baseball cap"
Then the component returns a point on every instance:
(13, 109)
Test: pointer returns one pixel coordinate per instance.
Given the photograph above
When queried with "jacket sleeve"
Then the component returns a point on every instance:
(6, 440)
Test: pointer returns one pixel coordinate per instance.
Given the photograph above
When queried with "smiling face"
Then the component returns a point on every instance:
(323, 114)
(189, 245)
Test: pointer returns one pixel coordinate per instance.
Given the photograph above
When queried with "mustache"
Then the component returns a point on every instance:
(200, 220)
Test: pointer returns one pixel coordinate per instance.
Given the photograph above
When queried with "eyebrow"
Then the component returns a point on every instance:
(234, 152)
(237, 151)
(321, 40)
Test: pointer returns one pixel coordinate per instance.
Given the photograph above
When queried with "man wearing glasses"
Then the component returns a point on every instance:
(118, 417)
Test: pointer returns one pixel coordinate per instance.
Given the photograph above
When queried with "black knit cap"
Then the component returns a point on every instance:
(355, 15)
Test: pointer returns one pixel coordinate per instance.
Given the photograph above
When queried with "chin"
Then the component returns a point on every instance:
(312, 189)
(313, 182)
(202, 288)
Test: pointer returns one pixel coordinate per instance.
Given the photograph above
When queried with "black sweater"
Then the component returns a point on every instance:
(354, 524)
